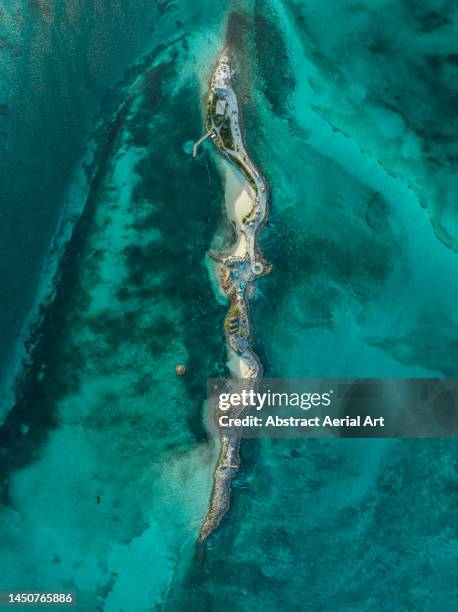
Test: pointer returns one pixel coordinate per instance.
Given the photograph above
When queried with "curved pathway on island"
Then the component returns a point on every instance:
(237, 271)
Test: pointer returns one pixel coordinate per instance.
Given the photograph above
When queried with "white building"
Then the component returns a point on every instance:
(221, 80)
(220, 107)
(219, 87)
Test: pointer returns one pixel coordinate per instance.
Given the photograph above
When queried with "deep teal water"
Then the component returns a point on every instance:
(106, 469)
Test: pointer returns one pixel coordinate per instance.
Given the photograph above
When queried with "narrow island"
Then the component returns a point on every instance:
(246, 200)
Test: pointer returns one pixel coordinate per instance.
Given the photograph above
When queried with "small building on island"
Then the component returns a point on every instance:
(220, 107)
(233, 325)
(220, 87)
(221, 79)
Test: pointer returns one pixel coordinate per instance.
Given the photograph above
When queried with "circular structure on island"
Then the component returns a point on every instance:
(257, 268)
(180, 369)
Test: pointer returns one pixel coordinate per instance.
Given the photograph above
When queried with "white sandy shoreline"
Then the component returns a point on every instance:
(239, 200)
(238, 365)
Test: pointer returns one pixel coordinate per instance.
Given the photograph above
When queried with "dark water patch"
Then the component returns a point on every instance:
(377, 214)
(427, 15)
(161, 333)
(221, 583)
(272, 60)
(112, 331)
(152, 89)
(452, 58)
(114, 328)
(165, 6)
(304, 254)
(432, 21)
(435, 61)
(41, 6)
(5, 43)
(137, 293)
(239, 27)
(143, 385)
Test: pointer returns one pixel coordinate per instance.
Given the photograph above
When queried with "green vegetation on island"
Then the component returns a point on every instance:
(226, 134)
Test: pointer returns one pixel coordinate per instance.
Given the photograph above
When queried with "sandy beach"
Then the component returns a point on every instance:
(239, 199)
(237, 364)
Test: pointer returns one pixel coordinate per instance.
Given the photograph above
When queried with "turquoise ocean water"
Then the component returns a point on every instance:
(106, 466)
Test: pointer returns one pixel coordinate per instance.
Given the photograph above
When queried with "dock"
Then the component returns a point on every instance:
(199, 142)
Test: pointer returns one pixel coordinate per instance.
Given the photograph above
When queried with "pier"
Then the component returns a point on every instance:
(200, 141)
